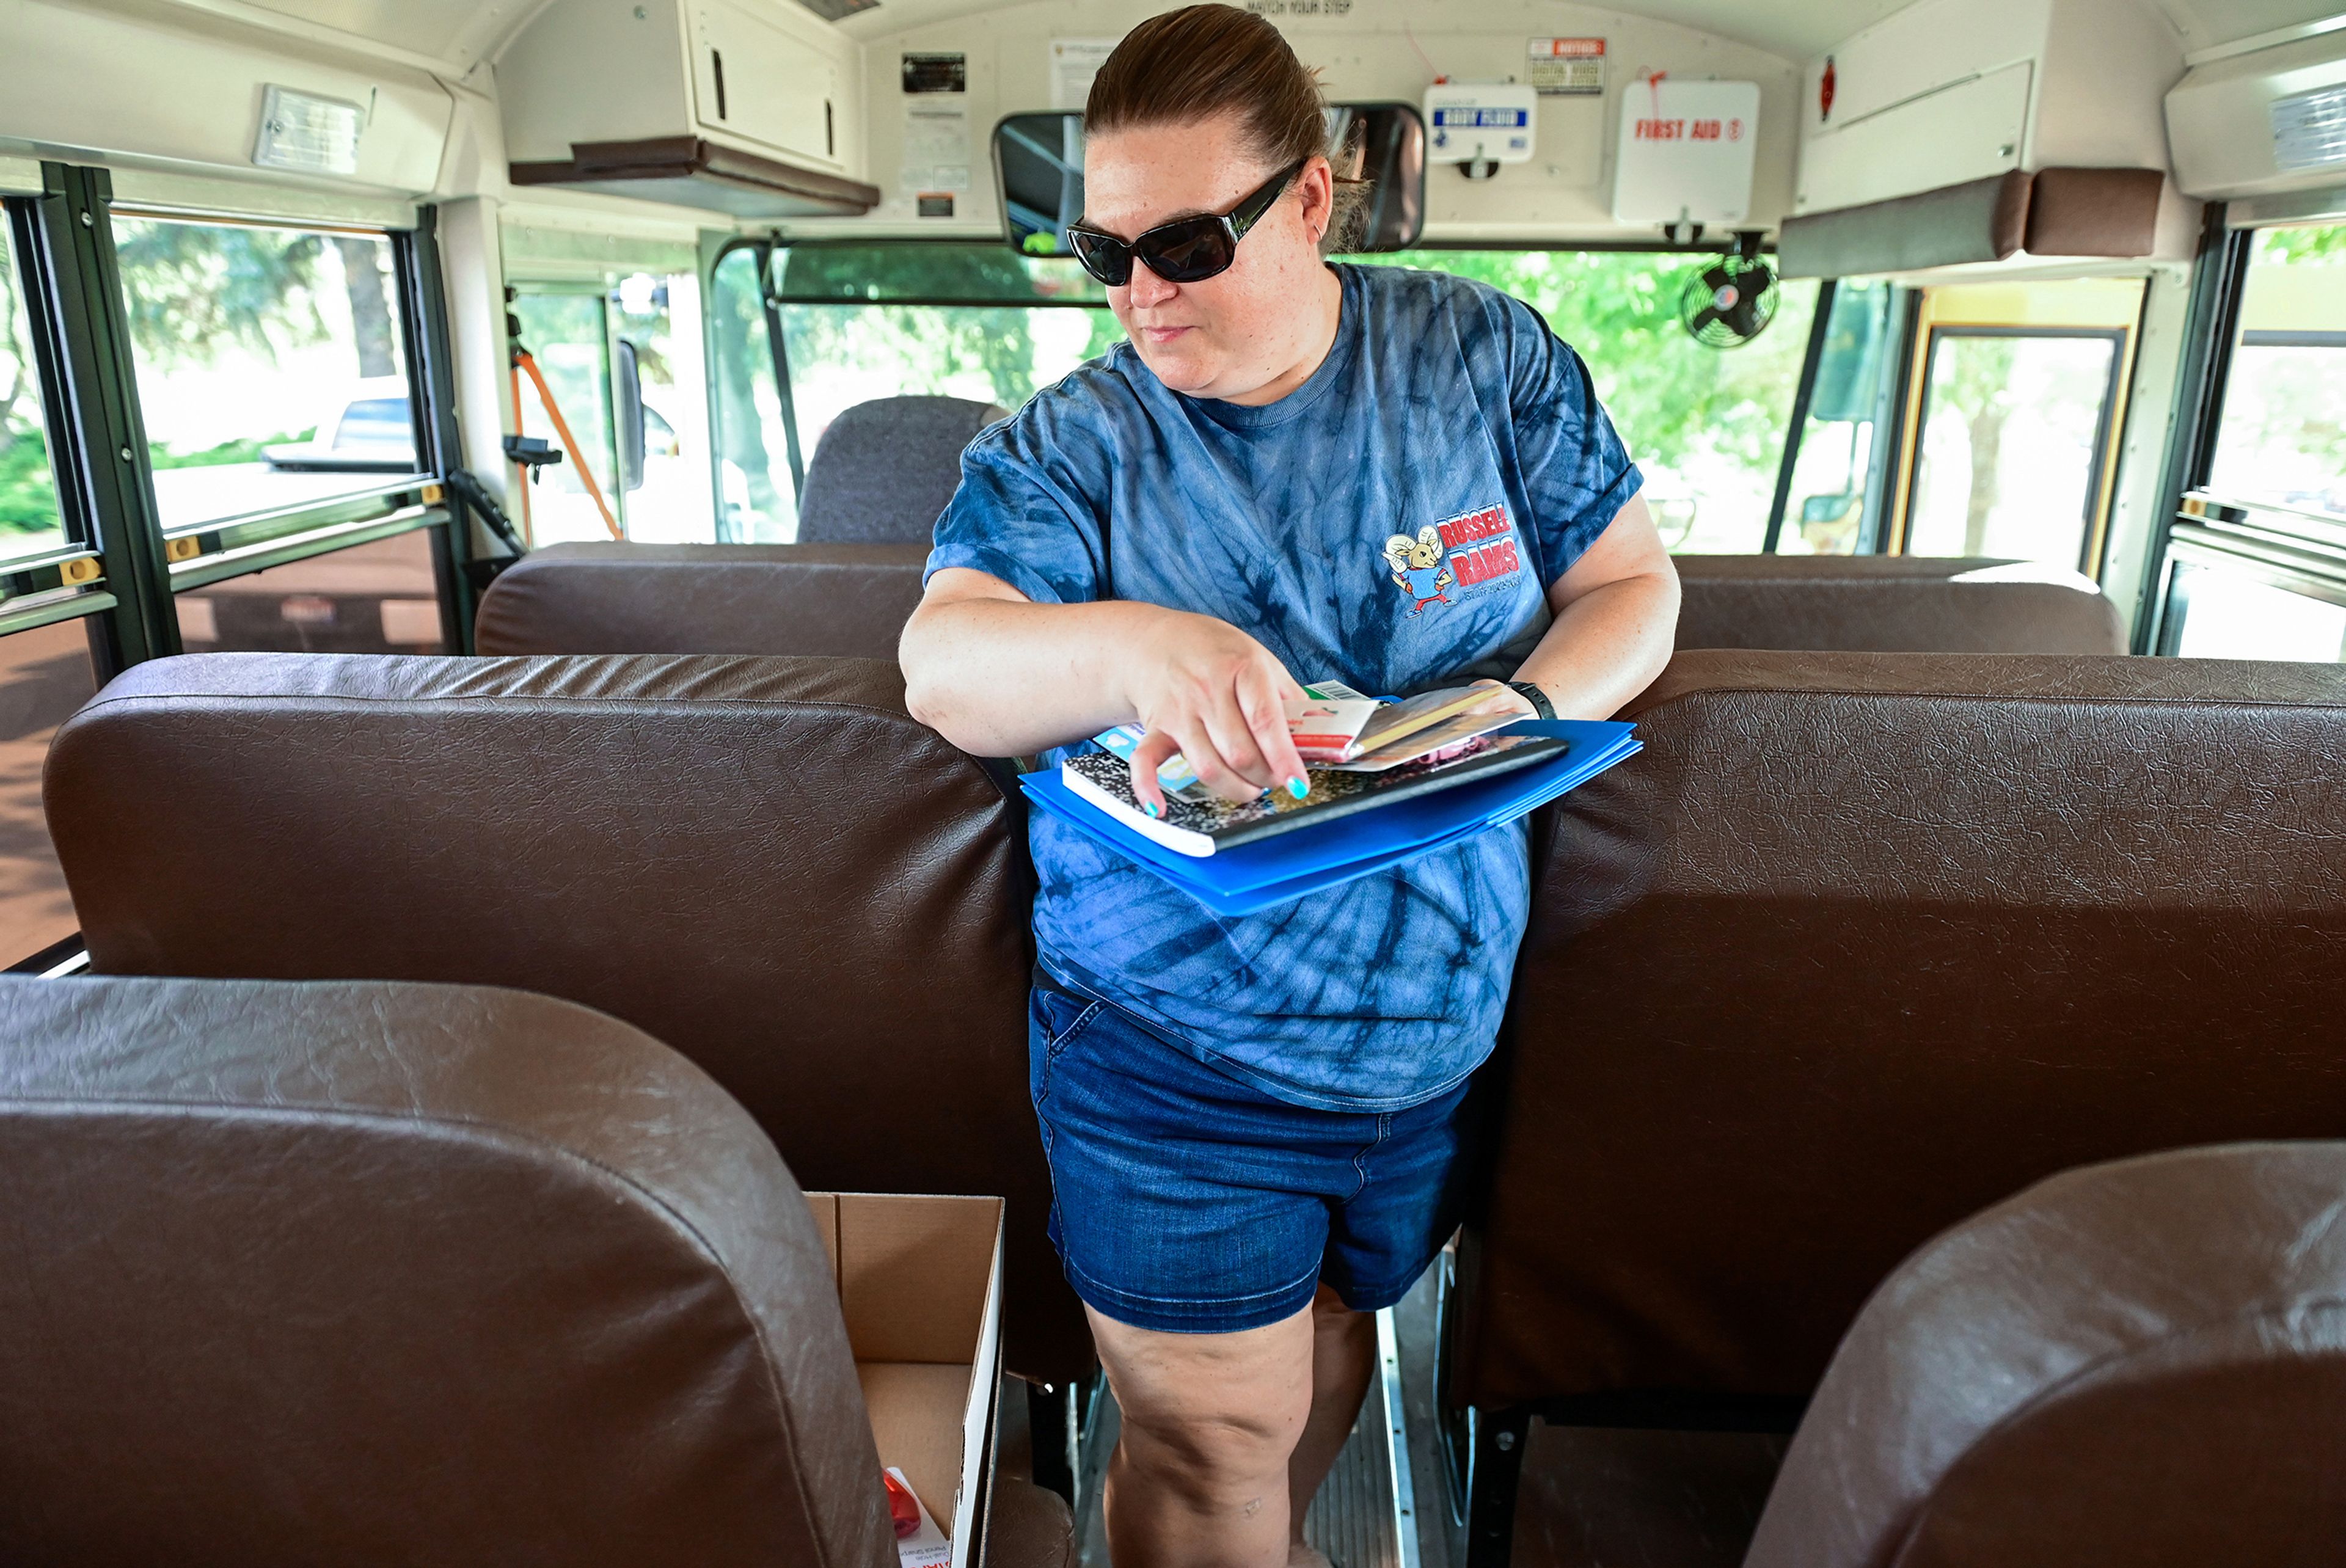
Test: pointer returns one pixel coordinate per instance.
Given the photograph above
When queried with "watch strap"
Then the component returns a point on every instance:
(1531, 694)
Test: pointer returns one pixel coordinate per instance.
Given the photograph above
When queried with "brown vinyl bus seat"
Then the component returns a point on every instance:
(851, 601)
(1863, 943)
(1892, 603)
(375, 1274)
(2130, 1365)
(765, 863)
(823, 601)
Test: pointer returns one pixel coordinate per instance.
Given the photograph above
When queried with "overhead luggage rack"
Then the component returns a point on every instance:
(693, 171)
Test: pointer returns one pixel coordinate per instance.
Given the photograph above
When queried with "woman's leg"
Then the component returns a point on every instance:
(1343, 1359)
(1200, 1477)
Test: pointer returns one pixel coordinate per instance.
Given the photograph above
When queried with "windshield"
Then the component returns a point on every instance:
(1707, 425)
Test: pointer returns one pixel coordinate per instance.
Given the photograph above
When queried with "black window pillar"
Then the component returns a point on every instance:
(81, 342)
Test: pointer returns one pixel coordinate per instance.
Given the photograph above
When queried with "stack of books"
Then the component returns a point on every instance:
(1390, 780)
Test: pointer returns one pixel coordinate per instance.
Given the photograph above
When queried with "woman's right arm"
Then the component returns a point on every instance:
(1001, 676)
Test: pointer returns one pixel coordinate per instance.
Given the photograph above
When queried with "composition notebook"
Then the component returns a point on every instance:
(1325, 849)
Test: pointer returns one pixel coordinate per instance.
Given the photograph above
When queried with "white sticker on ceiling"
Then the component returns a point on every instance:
(2309, 130)
(1073, 63)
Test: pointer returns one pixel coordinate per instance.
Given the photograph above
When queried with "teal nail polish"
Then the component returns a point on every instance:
(1298, 788)
(1149, 807)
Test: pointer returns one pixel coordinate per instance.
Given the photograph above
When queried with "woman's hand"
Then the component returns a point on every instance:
(1505, 698)
(1205, 689)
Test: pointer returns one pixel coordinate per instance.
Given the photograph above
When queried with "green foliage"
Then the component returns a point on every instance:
(944, 341)
(1671, 398)
(194, 289)
(28, 494)
(2323, 245)
(191, 289)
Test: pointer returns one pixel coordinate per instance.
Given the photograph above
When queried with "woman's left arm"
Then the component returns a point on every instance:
(1617, 614)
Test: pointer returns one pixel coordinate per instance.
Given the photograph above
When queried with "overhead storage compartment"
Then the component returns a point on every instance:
(751, 107)
(1965, 131)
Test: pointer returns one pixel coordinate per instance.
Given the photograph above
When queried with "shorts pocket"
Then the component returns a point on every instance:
(1069, 1017)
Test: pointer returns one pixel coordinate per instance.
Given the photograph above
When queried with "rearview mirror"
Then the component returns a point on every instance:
(1038, 162)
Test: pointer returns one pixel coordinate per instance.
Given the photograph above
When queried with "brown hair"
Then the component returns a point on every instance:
(1204, 60)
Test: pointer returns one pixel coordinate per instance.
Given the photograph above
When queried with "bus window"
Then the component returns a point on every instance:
(2223, 606)
(29, 522)
(1835, 471)
(755, 501)
(1707, 426)
(2282, 439)
(614, 351)
(2253, 567)
(979, 322)
(272, 370)
(2019, 389)
(1054, 317)
(2014, 427)
(566, 333)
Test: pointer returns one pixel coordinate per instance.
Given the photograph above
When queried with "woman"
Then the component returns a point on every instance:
(1254, 1124)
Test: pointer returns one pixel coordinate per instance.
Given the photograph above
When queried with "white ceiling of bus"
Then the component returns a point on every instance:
(459, 32)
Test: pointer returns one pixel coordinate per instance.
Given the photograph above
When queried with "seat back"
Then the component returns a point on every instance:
(885, 469)
(765, 863)
(2132, 1365)
(827, 601)
(1863, 943)
(375, 1273)
(1892, 603)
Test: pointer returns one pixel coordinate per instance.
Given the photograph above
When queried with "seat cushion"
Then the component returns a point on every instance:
(832, 601)
(1892, 603)
(375, 1273)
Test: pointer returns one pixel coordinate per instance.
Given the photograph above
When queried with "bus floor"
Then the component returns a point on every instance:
(1592, 1498)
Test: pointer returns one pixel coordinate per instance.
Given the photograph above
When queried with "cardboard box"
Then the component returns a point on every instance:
(920, 1284)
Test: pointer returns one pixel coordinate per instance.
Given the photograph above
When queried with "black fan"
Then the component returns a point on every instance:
(1731, 303)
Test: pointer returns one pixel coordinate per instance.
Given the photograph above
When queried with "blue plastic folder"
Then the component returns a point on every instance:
(1254, 876)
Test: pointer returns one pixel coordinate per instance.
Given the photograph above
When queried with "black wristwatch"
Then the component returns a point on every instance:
(1541, 707)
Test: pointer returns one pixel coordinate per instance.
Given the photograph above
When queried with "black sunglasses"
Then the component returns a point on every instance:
(1186, 251)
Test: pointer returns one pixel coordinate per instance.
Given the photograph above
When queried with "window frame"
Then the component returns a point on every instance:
(215, 549)
(2101, 488)
(120, 572)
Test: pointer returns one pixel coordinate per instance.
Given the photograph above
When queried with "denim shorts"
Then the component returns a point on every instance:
(1188, 1201)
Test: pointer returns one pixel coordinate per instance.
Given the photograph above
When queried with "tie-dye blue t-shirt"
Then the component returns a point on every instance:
(1393, 524)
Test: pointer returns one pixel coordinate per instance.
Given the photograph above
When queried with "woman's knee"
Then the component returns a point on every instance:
(1234, 1439)
(1218, 1408)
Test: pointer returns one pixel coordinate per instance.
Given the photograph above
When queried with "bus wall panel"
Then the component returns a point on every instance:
(189, 89)
(1378, 49)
